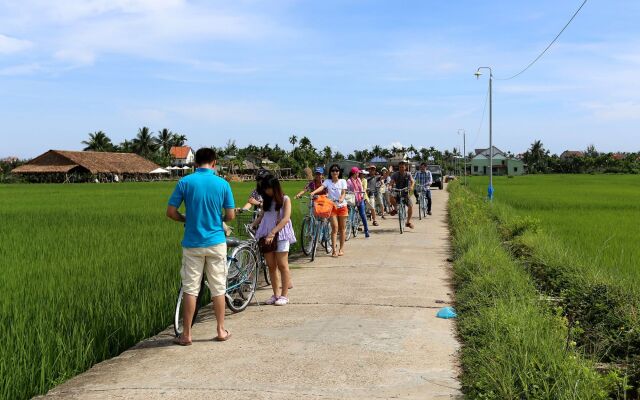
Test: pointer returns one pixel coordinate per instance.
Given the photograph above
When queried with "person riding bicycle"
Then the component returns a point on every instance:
(318, 178)
(424, 179)
(402, 180)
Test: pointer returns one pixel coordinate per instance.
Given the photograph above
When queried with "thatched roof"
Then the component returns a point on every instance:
(60, 161)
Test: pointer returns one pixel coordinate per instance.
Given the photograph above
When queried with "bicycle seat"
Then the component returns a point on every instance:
(233, 242)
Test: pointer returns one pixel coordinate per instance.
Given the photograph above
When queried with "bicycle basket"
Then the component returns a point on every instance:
(238, 225)
(322, 207)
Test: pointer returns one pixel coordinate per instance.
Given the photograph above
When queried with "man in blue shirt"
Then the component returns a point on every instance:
(424, 179)
(204, 247)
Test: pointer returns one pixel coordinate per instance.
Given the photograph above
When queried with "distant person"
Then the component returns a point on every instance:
(385, 181)
(116, 178)
(424, 179)
(255, 199)
(370, 184)
(403, 180)
(354, 185)
(316, 182)
(274, 225)
(207, 198)
(336, 188)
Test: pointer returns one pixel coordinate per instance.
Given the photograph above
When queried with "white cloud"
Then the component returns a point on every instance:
(9, 45)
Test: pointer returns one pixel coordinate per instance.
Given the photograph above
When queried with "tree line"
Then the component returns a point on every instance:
(540, 161)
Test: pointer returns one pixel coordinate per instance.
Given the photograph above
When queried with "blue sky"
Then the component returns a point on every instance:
(345, 73)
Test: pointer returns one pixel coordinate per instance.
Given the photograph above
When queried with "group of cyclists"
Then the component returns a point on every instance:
(373, 192)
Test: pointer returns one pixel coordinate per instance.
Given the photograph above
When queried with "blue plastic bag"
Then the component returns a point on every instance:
(446, 313)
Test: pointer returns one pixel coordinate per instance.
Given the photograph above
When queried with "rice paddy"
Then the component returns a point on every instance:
(595, 217)
(86, 271)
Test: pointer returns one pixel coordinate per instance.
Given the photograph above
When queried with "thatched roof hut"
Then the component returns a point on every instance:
(86, 162)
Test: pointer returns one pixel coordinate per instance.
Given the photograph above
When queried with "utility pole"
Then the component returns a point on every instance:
(464, 153)
(477, 74)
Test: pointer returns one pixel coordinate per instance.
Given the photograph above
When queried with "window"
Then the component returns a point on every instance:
(515, 169)
(475, 168)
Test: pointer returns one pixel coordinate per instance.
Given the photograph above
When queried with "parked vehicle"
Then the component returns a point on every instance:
(436, 173)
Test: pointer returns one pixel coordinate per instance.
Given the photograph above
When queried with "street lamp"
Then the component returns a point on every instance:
(464, 152)
(477, 74)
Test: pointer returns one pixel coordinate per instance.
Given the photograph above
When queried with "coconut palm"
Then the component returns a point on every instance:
(98, 141)
(144, 143)
(327, 153)
(293, 139)
(165, 140)
(179, 140)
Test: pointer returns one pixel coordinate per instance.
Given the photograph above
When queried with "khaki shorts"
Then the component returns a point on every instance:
(212, 260)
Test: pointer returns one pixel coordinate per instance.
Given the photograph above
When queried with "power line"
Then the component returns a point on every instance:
(547, 48)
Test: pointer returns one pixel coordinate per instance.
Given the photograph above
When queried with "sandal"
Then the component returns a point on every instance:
(223, 339)
(375, 223)
(334, 255)
(341, 253)
(409, 225)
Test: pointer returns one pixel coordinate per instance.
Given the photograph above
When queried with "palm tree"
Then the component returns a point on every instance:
(144, 144)
(165, 140)
(98, 141)
(293, 139)
(179, 140)
(376, 151)
(327, 153)
(411, 151)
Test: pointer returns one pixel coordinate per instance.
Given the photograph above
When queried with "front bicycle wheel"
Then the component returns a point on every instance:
(401, 216)
(317, 237)
(420, 196)
(306, 236)
(242, 287)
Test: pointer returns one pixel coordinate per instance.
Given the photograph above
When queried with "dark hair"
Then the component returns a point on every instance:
(205, 155)
(339, 169)
(272, 182)
(423, 163)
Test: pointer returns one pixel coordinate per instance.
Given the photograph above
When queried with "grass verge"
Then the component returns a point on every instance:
(514, 346)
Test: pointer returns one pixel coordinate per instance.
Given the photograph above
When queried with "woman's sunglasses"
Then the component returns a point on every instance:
(335, 170)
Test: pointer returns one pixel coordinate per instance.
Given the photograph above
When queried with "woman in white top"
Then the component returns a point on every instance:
(336, 191)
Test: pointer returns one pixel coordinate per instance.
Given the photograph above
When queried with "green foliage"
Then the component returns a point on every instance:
(575, 259)
(86, 271)
(514, 347)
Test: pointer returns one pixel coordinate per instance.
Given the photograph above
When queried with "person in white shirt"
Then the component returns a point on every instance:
(336, 191)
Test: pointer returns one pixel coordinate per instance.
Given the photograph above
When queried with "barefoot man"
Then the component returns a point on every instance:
(207, 197)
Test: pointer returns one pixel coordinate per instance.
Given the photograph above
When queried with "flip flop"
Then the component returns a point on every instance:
(340, 254)
(224, 339)
(181, 343)
(334, 255)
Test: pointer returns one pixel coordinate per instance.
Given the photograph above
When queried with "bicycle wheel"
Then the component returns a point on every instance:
(328, 241)
(317, 237)
(348, 224)
(177, 318)
(262, 264)
(424, 206)
(306, 236)
(401, 216)
(355, 224)
(420, 206)
(242, 287)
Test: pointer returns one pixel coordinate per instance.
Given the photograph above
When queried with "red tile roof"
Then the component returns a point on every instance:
(180, 152)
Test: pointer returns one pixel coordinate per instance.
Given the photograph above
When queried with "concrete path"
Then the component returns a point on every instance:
(359, 327)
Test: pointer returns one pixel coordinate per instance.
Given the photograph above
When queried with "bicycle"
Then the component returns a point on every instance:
(307, 230)
(422, 200)
(242, 280)
(401, 206)
(353, 220)
(321, 233)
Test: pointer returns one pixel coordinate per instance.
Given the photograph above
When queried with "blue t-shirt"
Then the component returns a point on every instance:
(205, 195)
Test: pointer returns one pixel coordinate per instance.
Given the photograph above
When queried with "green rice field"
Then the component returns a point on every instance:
(595, 217)
(86, 271)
